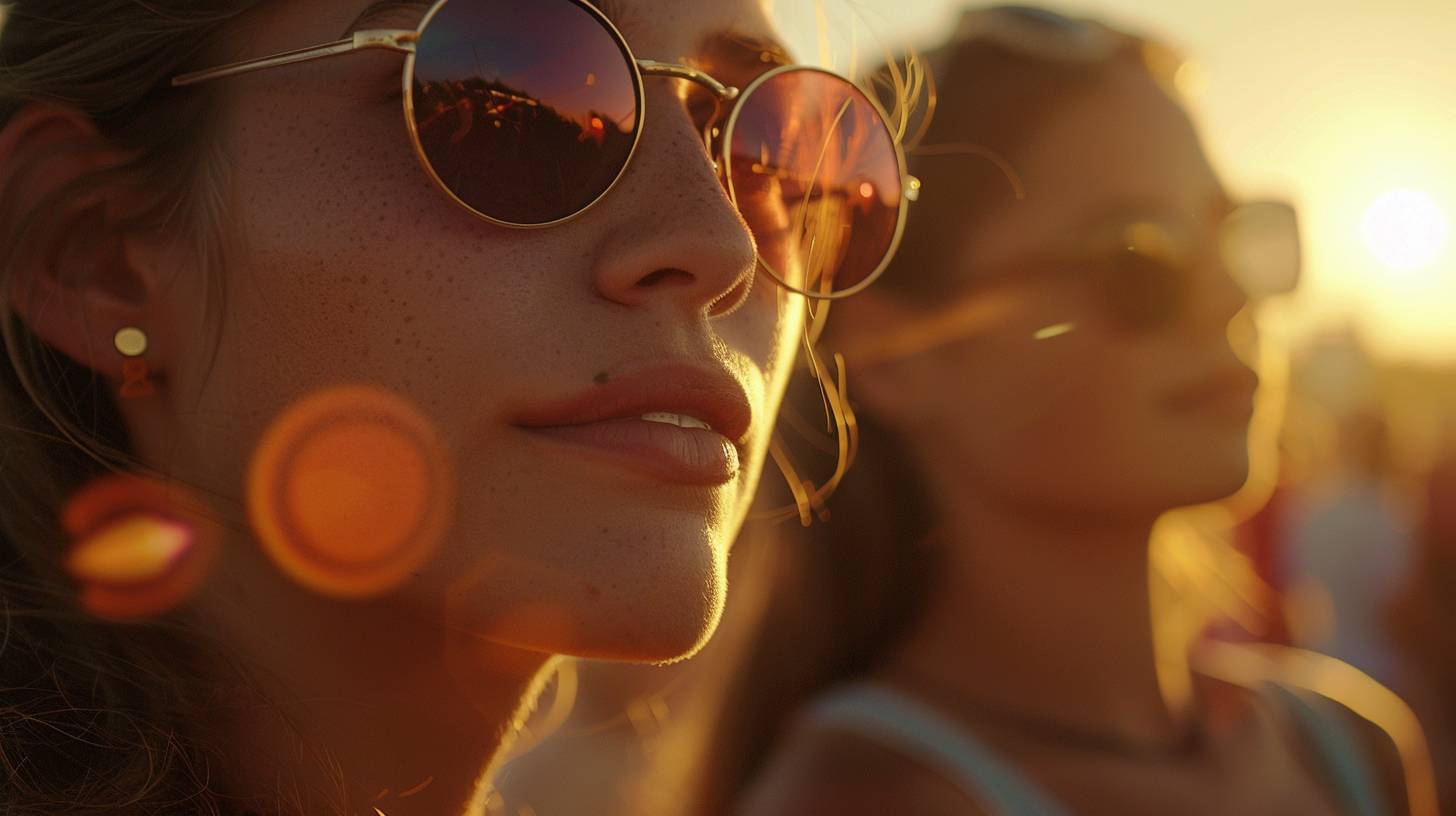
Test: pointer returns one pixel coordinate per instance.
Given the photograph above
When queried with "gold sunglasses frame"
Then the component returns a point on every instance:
(909, 185)
(404, 41)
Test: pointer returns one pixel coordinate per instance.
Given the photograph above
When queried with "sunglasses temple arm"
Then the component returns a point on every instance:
(402, 40)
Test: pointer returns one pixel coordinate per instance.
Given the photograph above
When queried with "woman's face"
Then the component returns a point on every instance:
(354, 268)
(1061, 403)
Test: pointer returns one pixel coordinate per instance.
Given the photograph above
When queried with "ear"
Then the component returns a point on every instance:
(81, 272)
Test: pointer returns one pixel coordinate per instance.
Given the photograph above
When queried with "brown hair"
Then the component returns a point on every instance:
(91, 714)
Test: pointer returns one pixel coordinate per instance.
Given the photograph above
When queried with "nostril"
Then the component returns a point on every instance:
(662, 276)
(732, 299)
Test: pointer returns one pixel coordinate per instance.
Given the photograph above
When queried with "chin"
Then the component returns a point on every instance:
(1214, 476)
(625, 591)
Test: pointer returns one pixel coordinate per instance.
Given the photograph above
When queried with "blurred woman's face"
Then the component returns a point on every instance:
(1086, 394)
(355, 268)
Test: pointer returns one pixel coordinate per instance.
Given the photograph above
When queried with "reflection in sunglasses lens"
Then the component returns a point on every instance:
(815, 172)
(526, 112)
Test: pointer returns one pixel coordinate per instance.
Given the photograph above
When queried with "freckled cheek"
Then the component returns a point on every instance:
(323, 167)
(348, 269)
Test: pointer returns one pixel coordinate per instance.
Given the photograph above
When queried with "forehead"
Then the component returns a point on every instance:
(655, 29)
(1124, 147)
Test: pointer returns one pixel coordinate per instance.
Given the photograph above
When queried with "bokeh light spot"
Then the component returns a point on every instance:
(350, 491)
(1056, 330)
(133, 550)
(140, 548)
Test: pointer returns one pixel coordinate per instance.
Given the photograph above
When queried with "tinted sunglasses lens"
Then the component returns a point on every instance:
(526, 112)
(1143, 291)
(1261, 248)
(815, 172)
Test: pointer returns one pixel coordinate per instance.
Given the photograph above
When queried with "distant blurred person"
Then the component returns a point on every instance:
(1348, 546)
(1423, 621)
(1050, 370)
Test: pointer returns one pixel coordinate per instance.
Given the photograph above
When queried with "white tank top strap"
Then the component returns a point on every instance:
(916, 730)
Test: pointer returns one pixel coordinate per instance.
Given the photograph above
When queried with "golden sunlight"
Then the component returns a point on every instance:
(1405, 230)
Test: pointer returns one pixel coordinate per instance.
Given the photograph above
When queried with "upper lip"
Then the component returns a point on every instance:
(1228, 380)
(708, 393)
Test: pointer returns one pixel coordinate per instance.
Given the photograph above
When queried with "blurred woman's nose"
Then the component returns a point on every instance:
(675, 236)
(1216, 297)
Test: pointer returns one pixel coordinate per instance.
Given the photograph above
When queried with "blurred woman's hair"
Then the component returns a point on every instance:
(845, 591)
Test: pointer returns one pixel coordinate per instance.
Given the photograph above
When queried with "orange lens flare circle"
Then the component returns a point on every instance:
(141, 547)
(350, 491)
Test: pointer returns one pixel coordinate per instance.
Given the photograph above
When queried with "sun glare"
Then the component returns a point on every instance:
(1405, 229)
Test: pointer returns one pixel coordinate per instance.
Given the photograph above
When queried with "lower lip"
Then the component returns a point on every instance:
(668, 453)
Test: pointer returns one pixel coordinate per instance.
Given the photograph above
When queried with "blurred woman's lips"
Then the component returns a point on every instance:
(673, 422)
(1226, 394)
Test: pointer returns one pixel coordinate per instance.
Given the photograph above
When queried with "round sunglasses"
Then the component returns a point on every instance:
(528, 114)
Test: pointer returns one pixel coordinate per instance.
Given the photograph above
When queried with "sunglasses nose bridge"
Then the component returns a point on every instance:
(653, 68)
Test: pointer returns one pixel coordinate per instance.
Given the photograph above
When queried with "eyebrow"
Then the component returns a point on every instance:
(616, 11)
(733, 49)
(380, 8)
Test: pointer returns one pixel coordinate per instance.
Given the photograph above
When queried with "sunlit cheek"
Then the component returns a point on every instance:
(350, 491)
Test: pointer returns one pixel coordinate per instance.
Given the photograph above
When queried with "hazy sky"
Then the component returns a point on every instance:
(1329, 102)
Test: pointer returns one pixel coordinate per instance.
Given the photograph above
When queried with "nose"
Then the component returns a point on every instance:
(1216, 297)
(675, 237)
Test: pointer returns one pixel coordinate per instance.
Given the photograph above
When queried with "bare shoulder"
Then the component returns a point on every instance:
(829, 773)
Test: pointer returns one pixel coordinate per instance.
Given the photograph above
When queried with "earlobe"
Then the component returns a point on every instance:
(75, 276)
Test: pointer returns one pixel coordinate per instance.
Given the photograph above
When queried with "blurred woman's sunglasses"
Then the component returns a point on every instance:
(1145, 275)
(1141, 274)
(528, 114)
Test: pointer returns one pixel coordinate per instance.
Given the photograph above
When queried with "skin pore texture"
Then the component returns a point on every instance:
(351, 267)
(1050, 460)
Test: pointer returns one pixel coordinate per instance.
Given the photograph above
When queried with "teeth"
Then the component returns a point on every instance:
(680, 420)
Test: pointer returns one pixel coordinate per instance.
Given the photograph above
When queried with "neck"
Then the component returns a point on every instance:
(1050, 619)
(356, 705)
